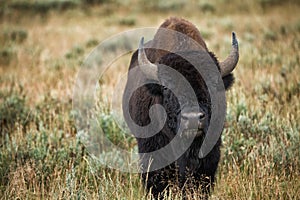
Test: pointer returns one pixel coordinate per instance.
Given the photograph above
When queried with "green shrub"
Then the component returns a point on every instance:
(114, 133)
(207, 7)
(18, 35)
(75, 53)
(128, 21)
(92, 2)
(43, 7)
(157, 5)
(13, 35)
(7, 55)
(14, 110)
(92, 43)
(270, 35)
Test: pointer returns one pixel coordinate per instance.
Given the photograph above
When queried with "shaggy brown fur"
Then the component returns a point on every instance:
(185, 27)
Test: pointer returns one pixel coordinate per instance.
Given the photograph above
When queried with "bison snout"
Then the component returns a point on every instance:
(193, 120)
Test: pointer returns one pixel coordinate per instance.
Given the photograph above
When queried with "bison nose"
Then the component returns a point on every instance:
(198, 116)
(194, 120)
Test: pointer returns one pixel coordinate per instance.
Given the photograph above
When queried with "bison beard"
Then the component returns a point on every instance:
(189, 172)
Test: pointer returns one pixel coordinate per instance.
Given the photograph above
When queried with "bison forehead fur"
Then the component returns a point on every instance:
(189, 169)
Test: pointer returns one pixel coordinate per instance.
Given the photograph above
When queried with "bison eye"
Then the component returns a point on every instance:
(164, 88)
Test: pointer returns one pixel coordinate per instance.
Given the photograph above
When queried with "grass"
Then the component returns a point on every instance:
(40, 155)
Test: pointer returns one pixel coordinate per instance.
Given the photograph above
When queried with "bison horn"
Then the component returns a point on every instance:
(148, 68)
(228, 65)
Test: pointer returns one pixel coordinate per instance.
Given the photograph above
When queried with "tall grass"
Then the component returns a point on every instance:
(40, 155)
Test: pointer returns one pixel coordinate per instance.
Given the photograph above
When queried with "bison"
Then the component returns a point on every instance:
(189, 171)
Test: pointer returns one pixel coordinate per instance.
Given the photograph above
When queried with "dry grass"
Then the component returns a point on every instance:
(40, 156)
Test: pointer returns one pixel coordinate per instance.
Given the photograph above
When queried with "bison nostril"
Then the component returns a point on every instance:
(201, 116)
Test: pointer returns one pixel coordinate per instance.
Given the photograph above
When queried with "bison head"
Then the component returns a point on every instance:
(192, 117)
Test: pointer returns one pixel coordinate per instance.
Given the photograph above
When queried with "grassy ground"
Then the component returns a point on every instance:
(42, 46)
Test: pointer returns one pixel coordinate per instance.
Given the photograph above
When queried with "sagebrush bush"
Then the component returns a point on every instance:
(14, 112)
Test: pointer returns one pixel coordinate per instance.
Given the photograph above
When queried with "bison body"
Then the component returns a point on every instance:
(189, 171)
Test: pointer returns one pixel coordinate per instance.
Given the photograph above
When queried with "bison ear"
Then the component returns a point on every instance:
(228, 81)
(149, 69)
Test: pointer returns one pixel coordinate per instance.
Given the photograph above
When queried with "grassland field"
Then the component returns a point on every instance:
(43, 44)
